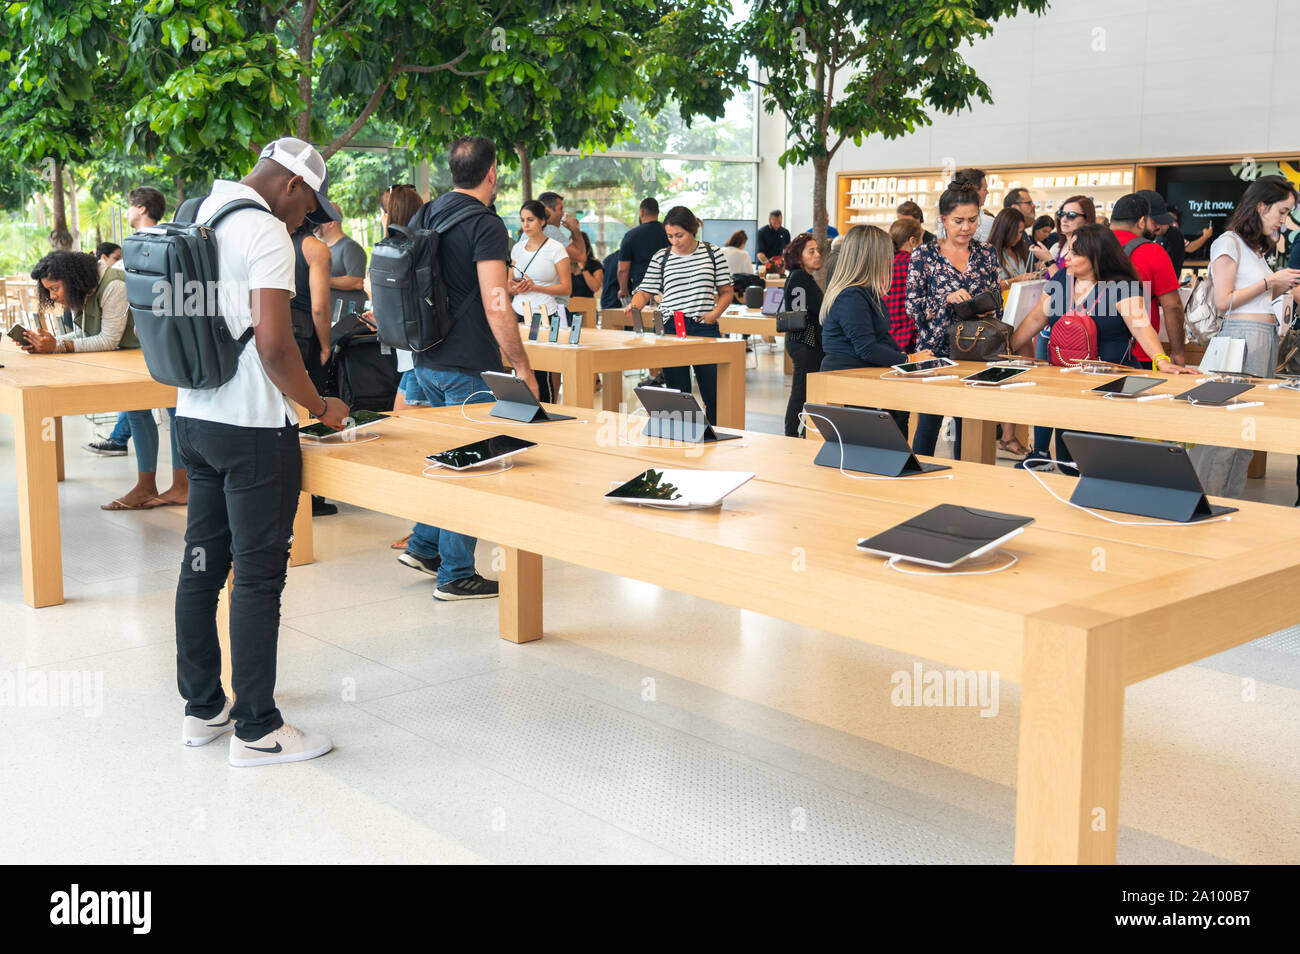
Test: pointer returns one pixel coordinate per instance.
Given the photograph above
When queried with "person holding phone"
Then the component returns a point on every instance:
(1101, 282)
(539, 275)
(693, 278)
(588, 273)
(855, 326)
(1244, 289)
(953, 269)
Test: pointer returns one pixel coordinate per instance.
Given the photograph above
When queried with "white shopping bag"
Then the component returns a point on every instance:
(1224, 354)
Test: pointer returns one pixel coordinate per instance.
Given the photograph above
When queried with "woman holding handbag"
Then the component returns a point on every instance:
(1100, 287)
(951, 270)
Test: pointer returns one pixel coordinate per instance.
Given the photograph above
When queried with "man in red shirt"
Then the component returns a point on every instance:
(1133, 220)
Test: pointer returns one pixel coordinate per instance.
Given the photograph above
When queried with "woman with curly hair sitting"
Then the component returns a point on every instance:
(93, 299)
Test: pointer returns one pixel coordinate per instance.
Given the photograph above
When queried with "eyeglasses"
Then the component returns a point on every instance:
(1069, 215)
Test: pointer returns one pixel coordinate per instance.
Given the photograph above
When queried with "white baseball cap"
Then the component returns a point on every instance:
(302, 159)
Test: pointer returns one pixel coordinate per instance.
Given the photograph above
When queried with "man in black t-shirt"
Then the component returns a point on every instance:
(772, 238)
(609, 288)
(638, 248)
(473, 255)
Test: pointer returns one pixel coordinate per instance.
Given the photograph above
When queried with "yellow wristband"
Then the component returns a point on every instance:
(1156, 359)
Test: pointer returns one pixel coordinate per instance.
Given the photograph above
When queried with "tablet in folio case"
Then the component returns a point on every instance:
(515, 402)
(1147, 478)
(864, 440)
(1214, 393)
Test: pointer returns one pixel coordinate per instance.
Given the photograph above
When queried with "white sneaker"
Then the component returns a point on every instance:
(196, 731)
(285, 744)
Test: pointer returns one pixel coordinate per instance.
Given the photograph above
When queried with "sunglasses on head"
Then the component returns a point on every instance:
(1069, 215)
(401, 185)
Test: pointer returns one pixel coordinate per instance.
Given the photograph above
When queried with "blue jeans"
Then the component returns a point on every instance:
(121, 430)
(411, 389)
(705, 374)
(927, 435)
(145, 432)
(445, 389)
(1042, 435)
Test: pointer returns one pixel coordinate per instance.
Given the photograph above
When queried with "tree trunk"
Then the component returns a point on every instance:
(525, 172)
(60, 237)
(305, 40)
(180, 191)
(821, 171)
(74, 210)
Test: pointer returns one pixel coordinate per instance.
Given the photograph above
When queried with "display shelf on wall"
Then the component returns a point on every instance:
(873, 198)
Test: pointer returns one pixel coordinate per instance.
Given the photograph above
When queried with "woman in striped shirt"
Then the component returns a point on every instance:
(693, 278)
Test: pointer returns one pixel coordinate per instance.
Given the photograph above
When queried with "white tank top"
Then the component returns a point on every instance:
(1251, 267)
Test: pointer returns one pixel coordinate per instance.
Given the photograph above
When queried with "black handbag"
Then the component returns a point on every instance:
(788, 322)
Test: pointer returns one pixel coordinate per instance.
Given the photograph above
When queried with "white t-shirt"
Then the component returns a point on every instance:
(541, 269)
(1251, 267)
(738, 261)
(253, 251)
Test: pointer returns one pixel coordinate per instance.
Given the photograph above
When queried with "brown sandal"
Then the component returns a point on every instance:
(119, 504)
(1013, 447)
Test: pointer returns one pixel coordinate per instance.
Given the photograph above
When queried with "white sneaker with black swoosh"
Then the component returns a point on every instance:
(285, 744)
(196, 731)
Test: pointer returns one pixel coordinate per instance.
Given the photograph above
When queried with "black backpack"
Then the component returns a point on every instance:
(408, 285)
(365, 371)
(171, 287)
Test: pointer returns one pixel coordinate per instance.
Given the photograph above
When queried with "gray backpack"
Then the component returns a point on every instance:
(171, 287)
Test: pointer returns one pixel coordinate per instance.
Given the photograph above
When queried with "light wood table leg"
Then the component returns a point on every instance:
(579, 381)
(731, 393)
(58, 446)
(521, 596)
(1071, 734)
(979, 441)
(38, 500)
(611, 390)
(300, 553)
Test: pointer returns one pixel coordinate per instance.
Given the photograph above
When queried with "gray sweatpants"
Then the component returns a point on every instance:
(1223, 469)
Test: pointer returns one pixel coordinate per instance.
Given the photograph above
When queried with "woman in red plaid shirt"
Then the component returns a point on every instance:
(906, 235)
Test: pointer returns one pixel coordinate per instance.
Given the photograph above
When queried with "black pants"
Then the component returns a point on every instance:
(244, 485)
(304, 333)
(806, 359)
(927, 435)
(706, 375)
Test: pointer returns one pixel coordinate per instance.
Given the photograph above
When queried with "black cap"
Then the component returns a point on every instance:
(1130, 208)
(1159, 213)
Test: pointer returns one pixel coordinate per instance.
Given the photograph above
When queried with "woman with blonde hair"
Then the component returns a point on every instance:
(855, 322)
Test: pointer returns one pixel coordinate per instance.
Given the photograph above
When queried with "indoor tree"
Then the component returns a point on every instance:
(843, 70)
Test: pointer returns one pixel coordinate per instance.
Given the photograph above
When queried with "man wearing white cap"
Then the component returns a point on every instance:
(239, 444)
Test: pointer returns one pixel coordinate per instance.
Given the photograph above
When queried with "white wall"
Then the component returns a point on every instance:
(1169, 78)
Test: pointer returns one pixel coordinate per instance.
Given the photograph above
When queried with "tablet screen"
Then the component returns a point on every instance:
(324, 431)
(681, 488)
(945, 534)
(994, 375)
(1128, 385)
(929, 364)
(480, 452)
(1215, 392)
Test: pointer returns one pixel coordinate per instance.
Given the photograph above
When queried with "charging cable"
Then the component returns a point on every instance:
(1101, 516)
(840, 441)
(893, 564)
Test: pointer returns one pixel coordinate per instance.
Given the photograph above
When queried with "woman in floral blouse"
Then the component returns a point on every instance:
(952, 269)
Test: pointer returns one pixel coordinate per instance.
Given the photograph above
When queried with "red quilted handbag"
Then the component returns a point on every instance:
(1073, 339)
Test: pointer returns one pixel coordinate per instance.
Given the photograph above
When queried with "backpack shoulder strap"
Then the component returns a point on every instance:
(235, 205)
(444, 225)
(188, 210)
(1136, 241)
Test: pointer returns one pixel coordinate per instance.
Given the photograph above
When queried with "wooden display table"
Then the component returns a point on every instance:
(1072, 636)
(1057, 400)
(608, 352)
(37, 391)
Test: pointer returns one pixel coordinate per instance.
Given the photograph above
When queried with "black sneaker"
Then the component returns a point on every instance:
(1031, 461)
(106, 448)
(470, 588)
(423, 564)
(320, 507)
